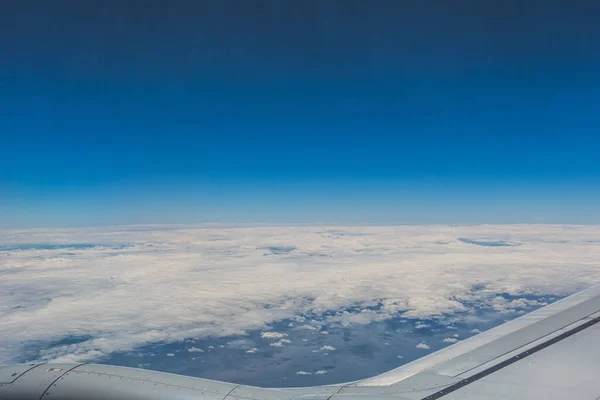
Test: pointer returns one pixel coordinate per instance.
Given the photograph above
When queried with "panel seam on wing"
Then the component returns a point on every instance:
(59, 377)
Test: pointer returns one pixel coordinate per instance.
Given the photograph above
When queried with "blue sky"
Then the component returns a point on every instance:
(334, 112)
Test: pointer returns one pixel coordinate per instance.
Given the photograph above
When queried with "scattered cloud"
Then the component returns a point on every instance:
(321, 372)
(195, 350)
(153, 284)
(170, 354)
(450, 340)
(303, 373)
(272, 335)
(252, 350)
(280, 343)
(475, 330)
(504, 305)
(307, 327)
(423, 346)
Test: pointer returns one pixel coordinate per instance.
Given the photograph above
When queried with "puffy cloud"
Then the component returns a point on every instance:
(303, 373)
(280, 343)
(307, 327)
(321, 372)
(423, 346)
(252, 350)
(195, 350)
(450, 340)
(272, 335)
(120, 288)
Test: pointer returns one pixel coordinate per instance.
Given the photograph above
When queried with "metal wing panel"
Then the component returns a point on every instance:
(89, 386)
(569, 369)
(34, 382)
(204, 385)
(10, 373)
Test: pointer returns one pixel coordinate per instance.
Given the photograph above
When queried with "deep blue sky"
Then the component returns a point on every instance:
(115, 112)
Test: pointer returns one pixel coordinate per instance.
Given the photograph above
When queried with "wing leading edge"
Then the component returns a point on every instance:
(550, 353)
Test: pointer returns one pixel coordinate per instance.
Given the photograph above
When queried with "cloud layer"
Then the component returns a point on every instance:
(115, 289)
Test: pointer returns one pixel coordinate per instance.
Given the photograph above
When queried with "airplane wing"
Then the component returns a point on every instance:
(551, 353)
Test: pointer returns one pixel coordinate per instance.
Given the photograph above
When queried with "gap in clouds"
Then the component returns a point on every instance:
(489, 243)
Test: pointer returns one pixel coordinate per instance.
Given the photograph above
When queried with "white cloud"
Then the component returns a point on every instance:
(195, 350)
(252, 350)
(272, 335)
(423, 346)
(303, 373)
(475, 330)
(450, 340)
(307, 327)
(422, 325)
(327, 348)
(170, 354)
(321, 372)
(281, 343)
(146, 284)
